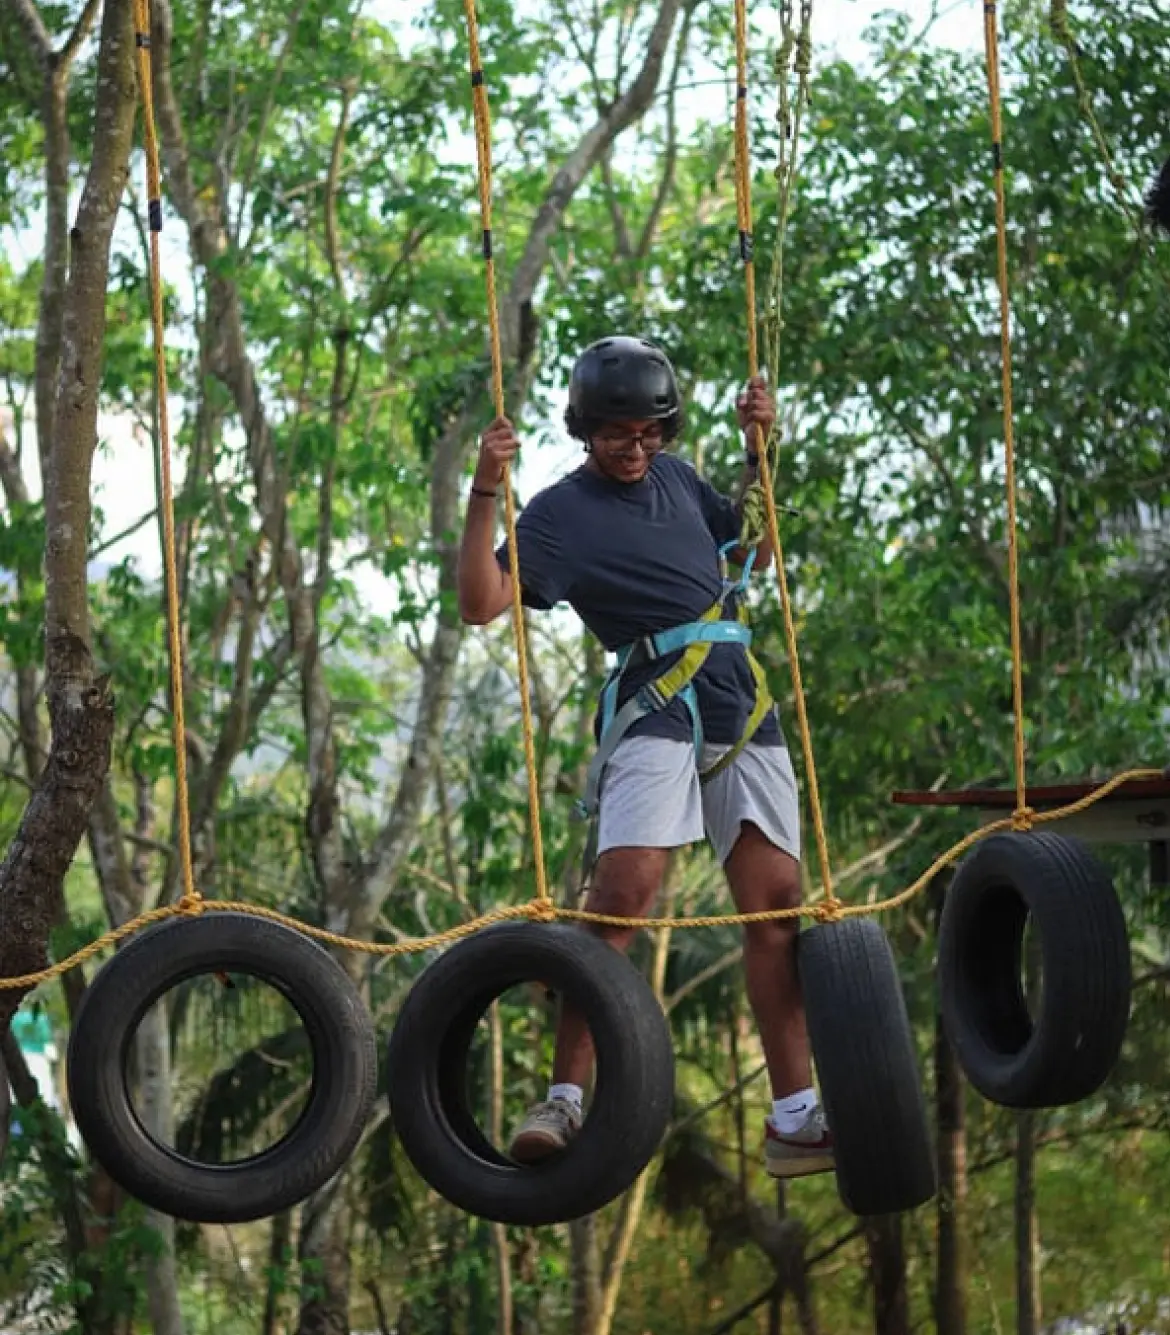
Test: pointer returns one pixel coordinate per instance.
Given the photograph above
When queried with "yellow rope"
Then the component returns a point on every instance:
(191, 897)
(539, 911)
(744, 210)
(483, 149)
(541, 908)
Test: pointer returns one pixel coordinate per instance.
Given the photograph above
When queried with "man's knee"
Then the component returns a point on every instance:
(764, 879)
(626, 880)
(771, 937)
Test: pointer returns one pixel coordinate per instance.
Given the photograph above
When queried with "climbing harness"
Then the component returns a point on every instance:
(693, 642)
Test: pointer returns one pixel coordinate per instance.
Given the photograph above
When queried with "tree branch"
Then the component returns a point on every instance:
(590, 149)
(81, 30)
(995, 560)
(29, 19)
(670, 157)
(262, 126)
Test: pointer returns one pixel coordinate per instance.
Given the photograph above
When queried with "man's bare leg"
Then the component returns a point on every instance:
(625, 883)
(763, 877)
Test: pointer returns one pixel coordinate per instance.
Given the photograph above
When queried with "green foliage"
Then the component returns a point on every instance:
(891, 454)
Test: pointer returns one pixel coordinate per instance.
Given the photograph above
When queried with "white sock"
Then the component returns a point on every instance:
(573, 1094)
(789, 1114)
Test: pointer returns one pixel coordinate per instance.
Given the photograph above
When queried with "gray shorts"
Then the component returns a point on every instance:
(651, 797)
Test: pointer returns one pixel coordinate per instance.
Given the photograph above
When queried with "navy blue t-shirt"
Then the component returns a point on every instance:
(635, 558)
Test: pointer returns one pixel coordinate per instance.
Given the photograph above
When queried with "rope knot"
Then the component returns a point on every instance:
(542, 910)
(190, 904)
(1022, 818)
(828, 910)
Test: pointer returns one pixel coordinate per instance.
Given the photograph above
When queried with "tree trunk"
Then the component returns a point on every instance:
(735, 1032)
(586, 1275)
(81, 709)
(496, 1136)
(153, 1052)
(617, 1251)
(324, 1258)
(1027, 1228)
(950, 1296)
(887, 1271)
(277, 1271)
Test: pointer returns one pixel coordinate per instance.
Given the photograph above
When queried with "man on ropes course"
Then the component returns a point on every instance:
(688, 741)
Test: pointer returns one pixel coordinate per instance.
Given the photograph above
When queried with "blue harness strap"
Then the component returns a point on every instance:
(694, 639)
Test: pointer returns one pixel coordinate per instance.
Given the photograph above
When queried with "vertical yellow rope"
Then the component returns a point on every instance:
(744, 213)
(483, 148)
(191, 897)
(1021, 818)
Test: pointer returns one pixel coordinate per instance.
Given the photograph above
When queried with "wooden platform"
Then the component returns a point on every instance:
(1136, 812)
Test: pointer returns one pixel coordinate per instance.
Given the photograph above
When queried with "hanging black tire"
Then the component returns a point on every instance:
(1065, 1051)
(341, 1037)
(427, 1068)
(867, 1067)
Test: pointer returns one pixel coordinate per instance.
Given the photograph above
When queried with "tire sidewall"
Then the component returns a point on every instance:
(633, 1093)
(341, 1040)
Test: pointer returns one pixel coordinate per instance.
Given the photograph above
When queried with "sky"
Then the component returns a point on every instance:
(123, 481)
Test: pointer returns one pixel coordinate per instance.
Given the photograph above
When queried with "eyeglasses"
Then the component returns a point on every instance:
(626, 442)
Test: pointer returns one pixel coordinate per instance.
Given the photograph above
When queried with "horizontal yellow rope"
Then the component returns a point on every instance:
(542, 910)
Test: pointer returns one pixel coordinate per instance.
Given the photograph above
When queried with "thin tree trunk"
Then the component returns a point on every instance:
(496, 1135)
(277, 1271)
(448, 1302)
(586, 1275)
(776, 1302)
(805, 1312)
(950, 1295)
(1027, 1225)
(1027, 1228)
(735, 1033)
(583, 1241)
(617, 1251)
(324, 1257)
(887, 1268)
(153, 1052)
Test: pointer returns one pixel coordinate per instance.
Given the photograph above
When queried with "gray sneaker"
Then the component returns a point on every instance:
(809, 1149)
(546, 1130)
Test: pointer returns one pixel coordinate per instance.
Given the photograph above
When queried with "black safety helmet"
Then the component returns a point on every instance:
(622, 379)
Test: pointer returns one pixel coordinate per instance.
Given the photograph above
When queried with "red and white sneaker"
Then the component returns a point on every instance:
(808, 1149)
